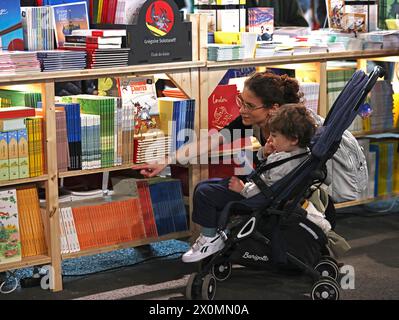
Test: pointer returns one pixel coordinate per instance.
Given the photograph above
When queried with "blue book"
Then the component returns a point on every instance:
(11, 33)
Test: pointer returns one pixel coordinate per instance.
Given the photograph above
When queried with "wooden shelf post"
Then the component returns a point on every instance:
(48, 93)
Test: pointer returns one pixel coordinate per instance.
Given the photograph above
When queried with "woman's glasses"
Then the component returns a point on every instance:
(247, 106)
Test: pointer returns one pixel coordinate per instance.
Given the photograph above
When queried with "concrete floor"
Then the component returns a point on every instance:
(374, 257)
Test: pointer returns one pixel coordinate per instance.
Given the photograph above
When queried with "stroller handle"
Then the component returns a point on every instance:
(377, 72)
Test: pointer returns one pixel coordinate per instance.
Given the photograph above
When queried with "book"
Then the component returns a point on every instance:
(67, 18)
(90, 39)
(16, 112)
(10, 243)
(260, 21)
(11, 33)
(99, 32)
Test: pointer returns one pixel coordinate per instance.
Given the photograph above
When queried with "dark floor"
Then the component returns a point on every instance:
(374, 256)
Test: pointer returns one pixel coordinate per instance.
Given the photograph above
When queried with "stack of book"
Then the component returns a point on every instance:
(104, 47)
(21, 225)
(15, 62)
(151, 146)
(381, 102)
(311, 95)
(225, 52)
(21, 136)
(57, 60)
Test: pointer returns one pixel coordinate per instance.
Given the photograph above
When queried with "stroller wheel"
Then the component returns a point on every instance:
(327, 268)
(329, 258)
(222, 271)
(208, 290)
(325, 289)
(193, 287)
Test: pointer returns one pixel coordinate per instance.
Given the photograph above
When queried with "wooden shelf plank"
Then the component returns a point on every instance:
(310, 57)
(359, 134)
(97, 73)
(363, 201)
(171, 236)
(74, 173)
(25, 263)
(25, 180)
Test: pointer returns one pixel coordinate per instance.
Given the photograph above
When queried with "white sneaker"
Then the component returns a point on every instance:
(203, 247)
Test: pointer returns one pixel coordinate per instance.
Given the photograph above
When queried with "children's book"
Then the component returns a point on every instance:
(68, 17)
(10, 243)
(261, 21)
(140, 94)
(11, 34)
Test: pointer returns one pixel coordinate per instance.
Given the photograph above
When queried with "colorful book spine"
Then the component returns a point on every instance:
(4, 171)
(13, 166)
(23, 154)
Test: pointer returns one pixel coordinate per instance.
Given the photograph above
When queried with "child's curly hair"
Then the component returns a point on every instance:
(293, 121)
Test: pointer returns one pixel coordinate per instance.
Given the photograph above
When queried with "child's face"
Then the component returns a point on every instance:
(280, 142)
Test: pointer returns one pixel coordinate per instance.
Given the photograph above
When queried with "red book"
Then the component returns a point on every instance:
(16, 112)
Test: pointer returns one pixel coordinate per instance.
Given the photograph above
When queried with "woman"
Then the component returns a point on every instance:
(263, 93)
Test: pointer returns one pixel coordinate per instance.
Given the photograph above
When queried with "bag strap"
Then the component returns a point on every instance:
(255, 176)
(267, 166)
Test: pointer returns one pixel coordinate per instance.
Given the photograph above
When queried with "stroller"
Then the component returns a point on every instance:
(279, 235)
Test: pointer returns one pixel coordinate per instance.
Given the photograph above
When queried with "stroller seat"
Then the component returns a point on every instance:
(279, 234)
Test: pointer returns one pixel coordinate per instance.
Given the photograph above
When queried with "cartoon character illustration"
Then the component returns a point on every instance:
(221, 117)
(160, 20)
(142, 118)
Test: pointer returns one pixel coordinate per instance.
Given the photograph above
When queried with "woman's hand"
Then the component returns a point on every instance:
(149, 170)
(236, 184)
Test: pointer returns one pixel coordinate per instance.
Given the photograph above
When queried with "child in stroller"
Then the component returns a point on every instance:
(279, 233)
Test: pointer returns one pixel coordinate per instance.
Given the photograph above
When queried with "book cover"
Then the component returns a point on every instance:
(68, 17)
(10, 243)
(4, 174)
(11, 33)
(140, 94)
(261, 21)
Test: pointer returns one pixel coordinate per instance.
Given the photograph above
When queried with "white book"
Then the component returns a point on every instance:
(99, 32)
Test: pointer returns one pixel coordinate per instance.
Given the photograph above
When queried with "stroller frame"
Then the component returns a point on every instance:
(325, 274)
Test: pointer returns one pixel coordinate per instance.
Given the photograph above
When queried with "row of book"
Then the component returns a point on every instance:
(21, 141)
(137, 209)
(10, 98)
(22, 232)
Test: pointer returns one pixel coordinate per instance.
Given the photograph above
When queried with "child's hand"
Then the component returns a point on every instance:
(268, 149)
(236, 184)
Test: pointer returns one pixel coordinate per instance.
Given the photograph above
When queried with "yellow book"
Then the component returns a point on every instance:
(227, 37)
(23, 154)
(395, 170)
(31, 149)
(383, 169)
(165, 108)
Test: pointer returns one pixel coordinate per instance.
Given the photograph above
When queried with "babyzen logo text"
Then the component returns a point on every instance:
(255, 257)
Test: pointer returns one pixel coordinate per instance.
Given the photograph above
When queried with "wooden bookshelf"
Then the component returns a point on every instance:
(197, 79)
(304, 58)
(364, 201)
(72, 75)
(360, 134)
(75, 173)
(25, 263)
(24, 180)
(125, 245)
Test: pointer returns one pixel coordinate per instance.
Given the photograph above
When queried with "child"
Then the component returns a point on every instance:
(291, 129)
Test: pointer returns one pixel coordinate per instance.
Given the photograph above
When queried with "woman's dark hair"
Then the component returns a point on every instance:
(293, 121)
(272, 88)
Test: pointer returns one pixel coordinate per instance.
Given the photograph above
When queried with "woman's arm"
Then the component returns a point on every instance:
(186, 154)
